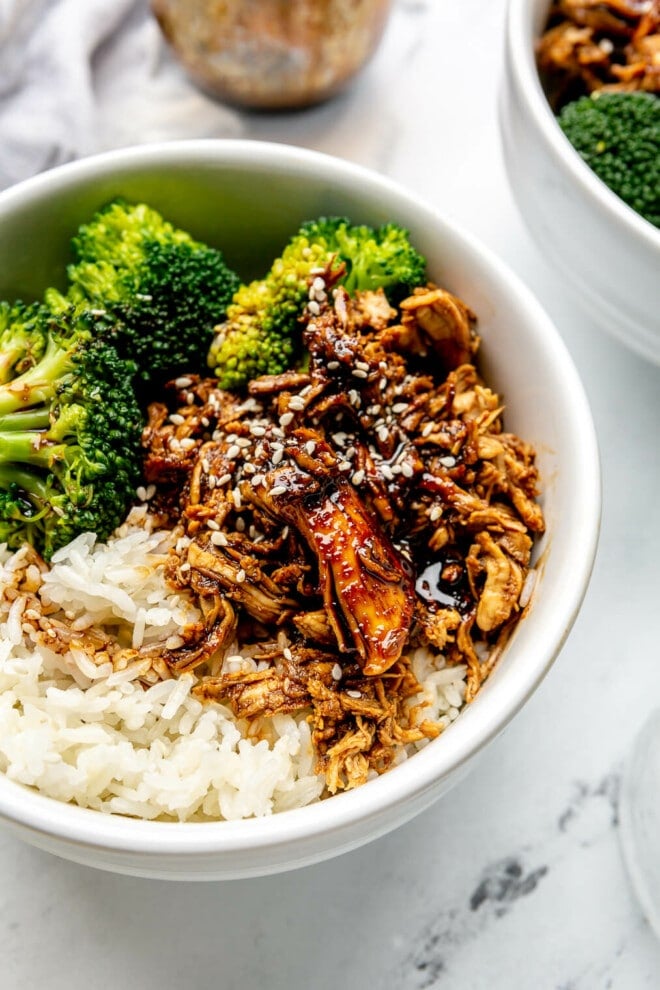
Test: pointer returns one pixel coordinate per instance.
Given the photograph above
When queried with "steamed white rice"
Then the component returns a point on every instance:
(83, 732)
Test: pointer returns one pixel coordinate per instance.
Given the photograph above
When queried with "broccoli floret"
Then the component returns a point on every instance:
(375, 259)
(618, 136)
(260, 334)
(22, 340)
(70, 432)
(164, 290)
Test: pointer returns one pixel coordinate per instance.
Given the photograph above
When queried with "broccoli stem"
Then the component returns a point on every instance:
(26, 419)
(34, 486)
(38, 384)
(26, 448)
(10, 355)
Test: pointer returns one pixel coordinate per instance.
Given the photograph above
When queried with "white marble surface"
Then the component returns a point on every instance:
(515, 880)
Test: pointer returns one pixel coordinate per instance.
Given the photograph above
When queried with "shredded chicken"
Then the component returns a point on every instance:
(337, 518)
(600, 44)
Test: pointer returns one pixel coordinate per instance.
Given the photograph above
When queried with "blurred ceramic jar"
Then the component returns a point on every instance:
(272, 54)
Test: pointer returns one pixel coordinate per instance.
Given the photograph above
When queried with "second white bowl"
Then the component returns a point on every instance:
(608, 255)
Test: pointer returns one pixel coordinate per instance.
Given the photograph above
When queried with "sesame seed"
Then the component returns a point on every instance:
(177, 419)
(296, 402)
(354, 397)
(383, 434)
(354, 694)
(236, 495)
(185, 567)
(141, 493)
(233, 451)
(358, 373)
(278, 490)
(190, 398)
(243, 442)
(240, 576)
(258, 478)
(310, 447)
(313, 307)
(435, 513)
(318, 284)
(257, 431)
(187, 443)
(382, 384)
(287, 654)
(286, 418)
(212, 524)
(183, 382)
(205, 421)
(240, 524)
(362, 365)
(387, 471)
(224, 479)
(448, 461)
(277, 456)
(399, 407)
(406, 470)
(336, 672)
(332, 365)
(358, 477)
(306, 390)
(249, 469)
(344, 466)
(219, 539)
(428, 429)
(285, 532)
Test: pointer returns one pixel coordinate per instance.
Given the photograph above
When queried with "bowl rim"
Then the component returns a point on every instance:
(520, 35)
(83, 827)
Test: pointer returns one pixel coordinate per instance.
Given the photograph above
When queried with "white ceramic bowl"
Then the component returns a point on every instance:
(608, 255)
(229, 193)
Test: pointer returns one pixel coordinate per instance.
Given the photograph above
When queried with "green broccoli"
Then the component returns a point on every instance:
(618, 136)
(70, 432)
(164, 291)
(22, 340)
(260, 334)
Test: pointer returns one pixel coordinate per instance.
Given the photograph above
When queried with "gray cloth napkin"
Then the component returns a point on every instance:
(80, 76)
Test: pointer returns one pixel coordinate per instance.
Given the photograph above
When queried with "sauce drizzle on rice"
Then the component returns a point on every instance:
(84, 720)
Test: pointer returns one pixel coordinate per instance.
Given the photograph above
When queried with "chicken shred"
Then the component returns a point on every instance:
(339, 518)
(609, 45)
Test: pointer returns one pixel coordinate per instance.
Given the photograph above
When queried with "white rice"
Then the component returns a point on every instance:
(82, 732)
